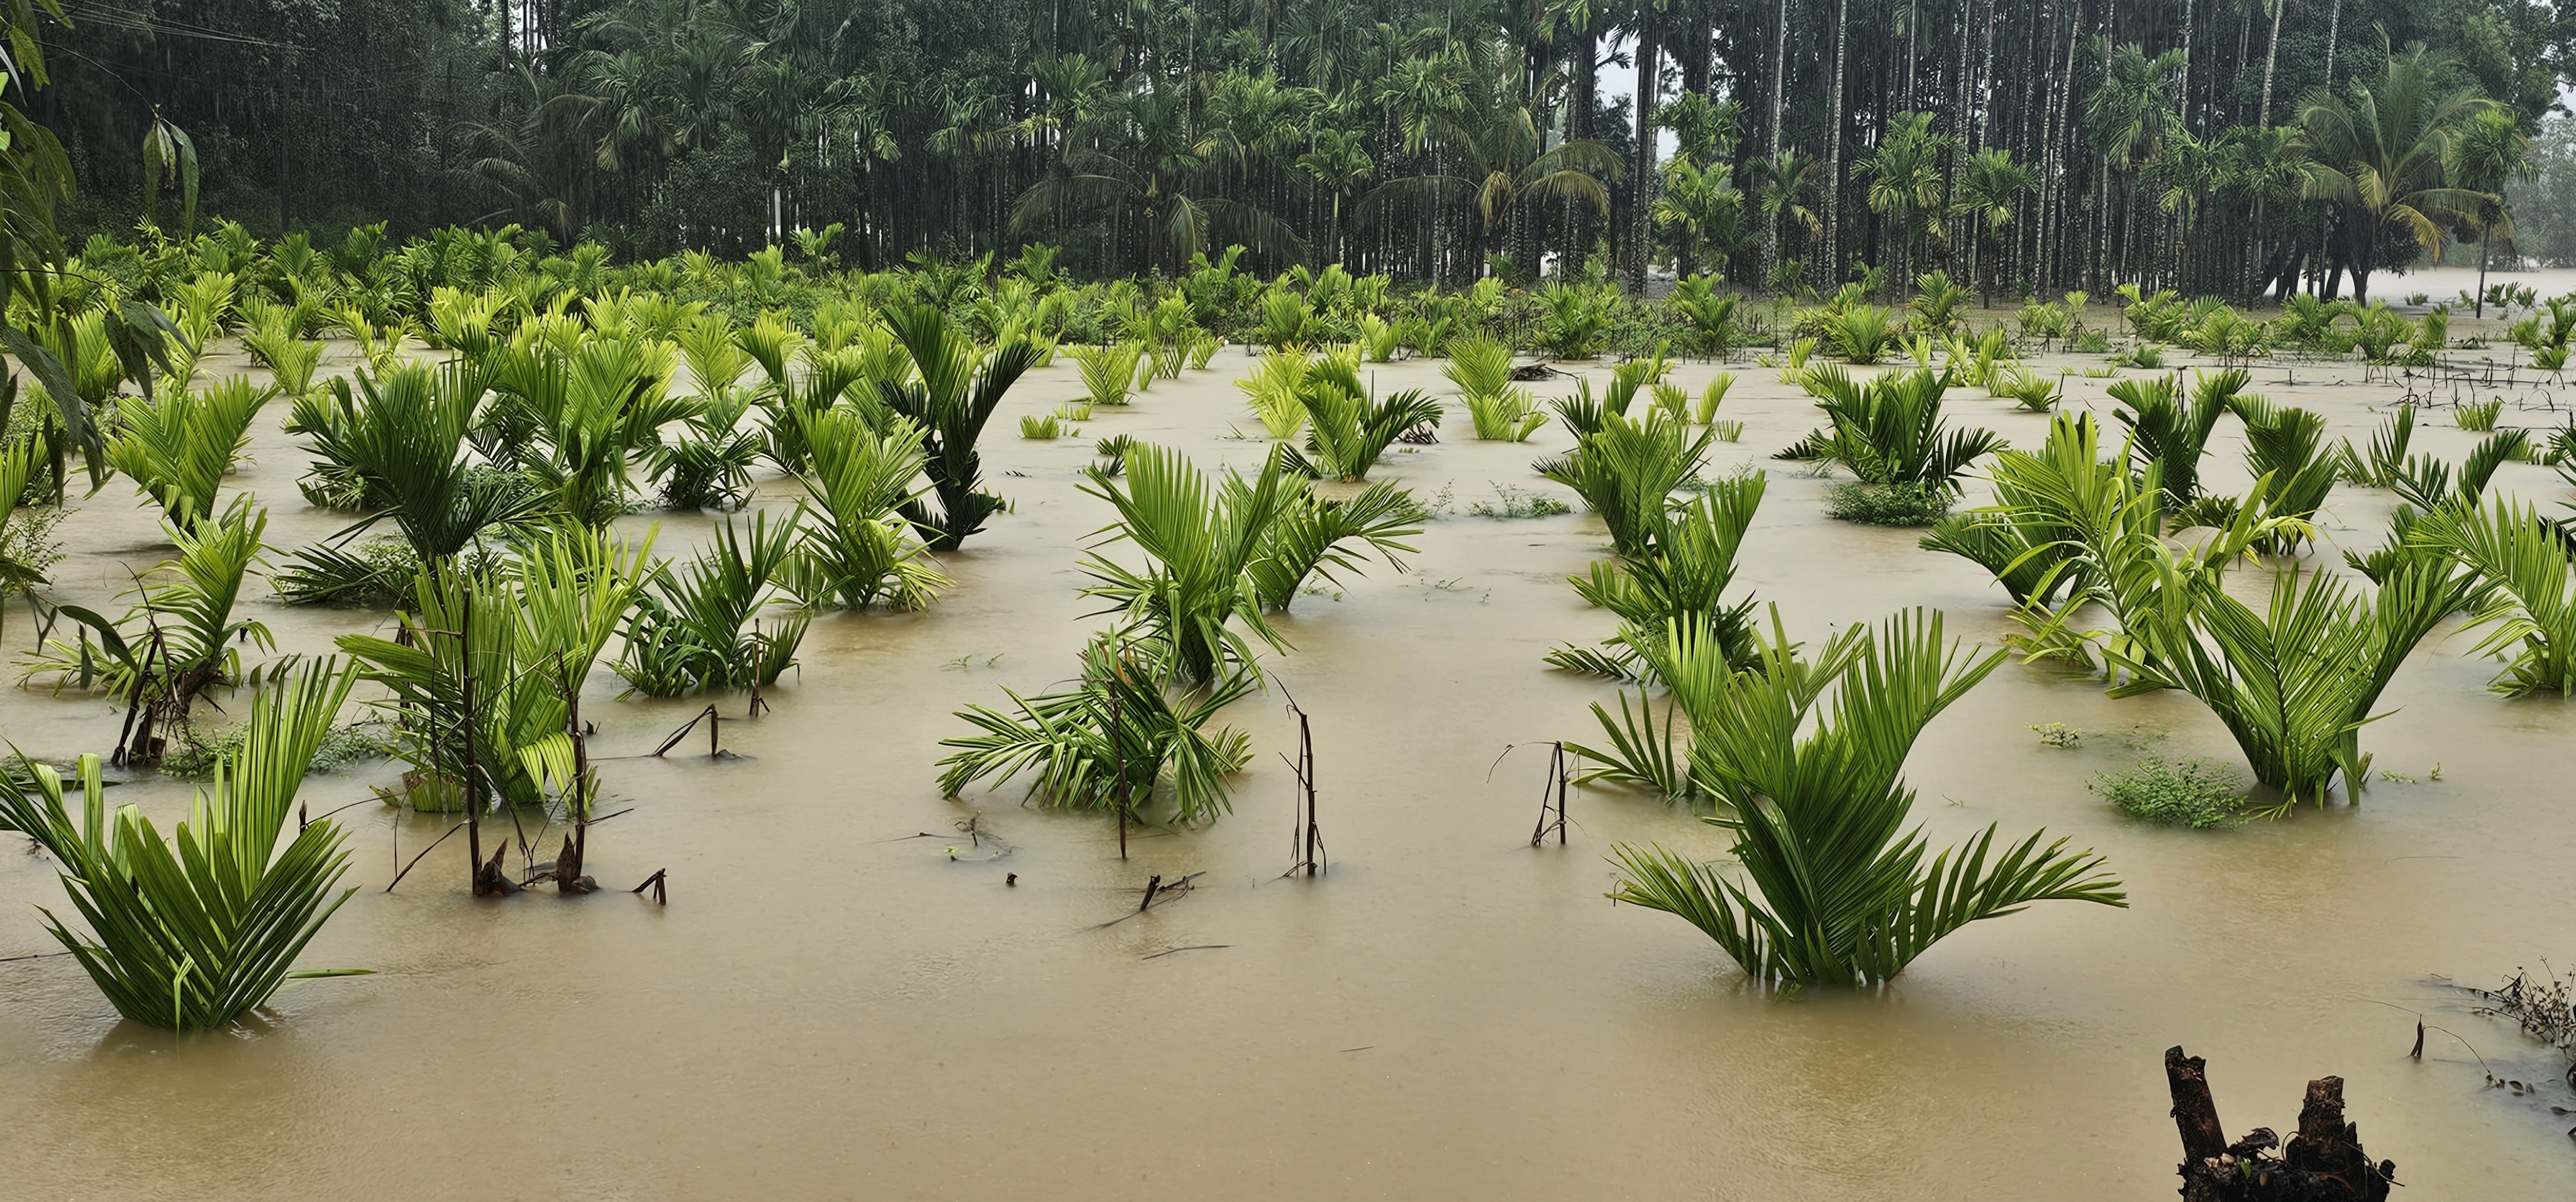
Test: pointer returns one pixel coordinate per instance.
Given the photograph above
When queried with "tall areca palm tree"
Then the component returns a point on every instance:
(1789, 187)
(1490, 156)
(1990, 188)
(2380, 150)
(2490, 150)
(1138, 159)
(1905, 180)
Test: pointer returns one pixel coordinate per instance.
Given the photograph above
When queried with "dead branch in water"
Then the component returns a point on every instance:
(658, 884)
(1305, 839)
(2324, 1162)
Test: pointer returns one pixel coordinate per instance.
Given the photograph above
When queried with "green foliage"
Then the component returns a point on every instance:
(2294, 684)
(1902, 504)
(178, 449)
(480, 675)
(2478, 417)
(2521, 592)
(1861, 333)
(1194, 612)
(950, 392)
(189, 932)
(1834, 889)
(1109, 743)
(1271, 391)
(1626, 472)
(1574, 320)
(687, 630)
(858, 549)
(2171, 435)
(1709, 317)
(179, 640)
(1108, 372)
(1346, 429)
(1041, 427)
(1315, 536)
(1890, 432)
(2197, 793)
(1676, 584)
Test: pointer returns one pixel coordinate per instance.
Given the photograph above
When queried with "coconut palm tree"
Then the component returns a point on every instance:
(2380, 150)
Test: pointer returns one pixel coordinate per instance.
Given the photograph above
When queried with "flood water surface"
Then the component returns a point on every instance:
(844, 997)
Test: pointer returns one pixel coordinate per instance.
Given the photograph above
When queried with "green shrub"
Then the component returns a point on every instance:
(2193, 792)
(1900, 504)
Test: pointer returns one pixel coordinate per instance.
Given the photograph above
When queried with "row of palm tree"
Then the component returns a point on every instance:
(2022, 147)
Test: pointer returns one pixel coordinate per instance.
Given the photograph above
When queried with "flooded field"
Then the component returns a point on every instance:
(844, 997)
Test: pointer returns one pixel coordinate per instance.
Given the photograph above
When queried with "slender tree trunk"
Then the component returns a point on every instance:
(2334, 35)
(1641, 223)
(1834, 157)
(1779, 73)
(2271, 57)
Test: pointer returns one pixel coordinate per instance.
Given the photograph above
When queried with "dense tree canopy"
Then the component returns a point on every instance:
(2211, 146)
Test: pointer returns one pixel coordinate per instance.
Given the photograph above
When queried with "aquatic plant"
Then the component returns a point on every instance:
(1834, 889)
(2197, 793)
(192, 930)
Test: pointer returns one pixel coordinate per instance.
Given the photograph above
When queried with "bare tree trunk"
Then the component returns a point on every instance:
(1641, 221)
(1779, 71)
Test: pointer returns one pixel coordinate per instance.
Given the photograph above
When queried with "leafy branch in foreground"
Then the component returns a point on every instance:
(192, 930)
(1834, 889)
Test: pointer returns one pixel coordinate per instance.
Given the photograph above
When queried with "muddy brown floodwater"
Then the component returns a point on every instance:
(832, 1006)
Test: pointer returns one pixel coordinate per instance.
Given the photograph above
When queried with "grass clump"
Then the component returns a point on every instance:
(2198, 793)
(1510, 502)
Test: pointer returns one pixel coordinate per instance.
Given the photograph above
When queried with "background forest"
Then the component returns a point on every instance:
(2213, 146)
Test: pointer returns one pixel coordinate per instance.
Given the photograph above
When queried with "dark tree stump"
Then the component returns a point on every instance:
(2323, 1163)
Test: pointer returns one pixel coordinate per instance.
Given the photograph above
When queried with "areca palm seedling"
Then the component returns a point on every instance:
(1680, 579)
(478, 676)
(395, 449)
(709, 465)
(1201, 540)
(1108, 742)
(687, 630)
(1270, 390)
(1108, 372)
(179, 448)
(1833, 888)
(950, 393)
(2285, 448)
(1347, 430)
(1626, 471)
(179, 640)
(191, 931)
(2522, 592)
(2173, 434)
(1481, 368)
(2034, 535)
(2295, 683)
(1889, 433)
(574, 421)
(1315, 536)
(858, 549)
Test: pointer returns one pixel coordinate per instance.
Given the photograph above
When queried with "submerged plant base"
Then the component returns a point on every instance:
(1888, 504)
